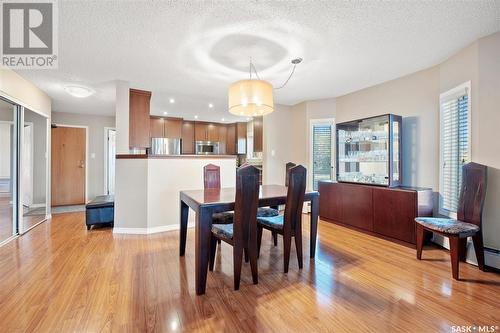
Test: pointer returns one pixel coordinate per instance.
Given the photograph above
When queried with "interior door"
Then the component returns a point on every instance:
(68, 166)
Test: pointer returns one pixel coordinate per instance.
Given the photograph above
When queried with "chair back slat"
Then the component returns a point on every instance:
(245, 206)
(472, 193)
(211, 176)
(288, 166)
(295, 198)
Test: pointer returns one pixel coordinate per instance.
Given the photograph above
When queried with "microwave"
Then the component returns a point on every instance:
(206, 148)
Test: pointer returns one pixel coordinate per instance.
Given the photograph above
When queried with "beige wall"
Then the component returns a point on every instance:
(96, 125)
(18, 90)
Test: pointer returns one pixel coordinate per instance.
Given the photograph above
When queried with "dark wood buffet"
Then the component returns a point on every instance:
(386, 212)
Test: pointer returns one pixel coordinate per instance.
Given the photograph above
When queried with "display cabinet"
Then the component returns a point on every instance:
(369, 151)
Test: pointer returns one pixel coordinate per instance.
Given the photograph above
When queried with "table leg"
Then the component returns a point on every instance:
(202, 247)
(314, 224)
(184, 212)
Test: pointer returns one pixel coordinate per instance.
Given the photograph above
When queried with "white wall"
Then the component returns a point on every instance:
(96, 146)
(19, 90)
(122, 117)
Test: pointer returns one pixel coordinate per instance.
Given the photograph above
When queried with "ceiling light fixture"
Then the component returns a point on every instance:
(171, 100)
(222, 119)
(196, 117)
(79, 91)
(210, 105)
(251, 97)
(165, 113)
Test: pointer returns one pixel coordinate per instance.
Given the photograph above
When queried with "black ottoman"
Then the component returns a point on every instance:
(101, 210)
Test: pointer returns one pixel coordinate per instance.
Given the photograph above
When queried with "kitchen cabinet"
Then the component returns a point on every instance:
(387, 212)
(222, 139)
(139, 122)
(231, 139)
(156, 127)
(160, 127)
(173, 128)
(257, 134)
(188, 137)
(241, 138)
(206, 131)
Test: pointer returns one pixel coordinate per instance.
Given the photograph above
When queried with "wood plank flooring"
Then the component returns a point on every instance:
(61, 278)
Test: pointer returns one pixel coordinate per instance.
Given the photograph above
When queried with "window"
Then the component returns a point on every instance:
(322, 150)
(454, 145)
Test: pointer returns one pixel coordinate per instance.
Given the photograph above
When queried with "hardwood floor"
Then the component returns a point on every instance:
(61, 278)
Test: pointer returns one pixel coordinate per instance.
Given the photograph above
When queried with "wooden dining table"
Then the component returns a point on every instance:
(209, 201)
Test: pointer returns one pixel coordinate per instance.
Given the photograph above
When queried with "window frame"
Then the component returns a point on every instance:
(446, 96)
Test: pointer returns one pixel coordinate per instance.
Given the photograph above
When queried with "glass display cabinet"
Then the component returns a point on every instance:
(369, 151)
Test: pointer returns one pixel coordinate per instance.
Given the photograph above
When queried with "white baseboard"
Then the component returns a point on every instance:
(147, 231)
(491, 257)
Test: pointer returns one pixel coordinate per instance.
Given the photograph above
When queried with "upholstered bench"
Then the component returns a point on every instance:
(101, 210)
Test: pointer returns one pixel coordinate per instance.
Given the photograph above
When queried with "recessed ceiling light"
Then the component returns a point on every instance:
(222, 119)
(165, 113)
(79, 91)
(249, 118)
(195, 117)
(210, 105)
(172, 101)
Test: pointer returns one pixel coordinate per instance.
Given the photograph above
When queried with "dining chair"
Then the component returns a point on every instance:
(468, 222)
(288, 166)
(211, 179)
(290, 224)
(242, 232)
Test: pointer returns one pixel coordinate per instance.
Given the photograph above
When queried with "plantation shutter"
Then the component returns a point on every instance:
(322, 153)
(455, 147)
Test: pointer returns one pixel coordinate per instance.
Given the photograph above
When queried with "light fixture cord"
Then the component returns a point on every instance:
(289, 77)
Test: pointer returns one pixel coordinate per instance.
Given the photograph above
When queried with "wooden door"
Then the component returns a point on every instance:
(231, 140)
(156, 128)
(68, 166)
(188, 137)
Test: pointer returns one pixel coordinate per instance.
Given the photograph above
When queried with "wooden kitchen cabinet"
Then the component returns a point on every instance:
(213, 132)
(139, 122)
(156, 127)
(257, 134)
(188, 137)
(241, 138)
(222, 139)
(206, 131)
(173, 128)
(231, 139)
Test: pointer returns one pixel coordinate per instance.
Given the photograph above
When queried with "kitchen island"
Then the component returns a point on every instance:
(148, 187)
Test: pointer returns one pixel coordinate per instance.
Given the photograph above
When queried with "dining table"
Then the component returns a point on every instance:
(206, 202)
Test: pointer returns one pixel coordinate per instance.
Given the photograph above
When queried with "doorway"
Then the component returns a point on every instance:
(322, 143)
(69, 165)
(109, 160)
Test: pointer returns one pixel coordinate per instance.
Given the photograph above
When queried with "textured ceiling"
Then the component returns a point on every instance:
(192, 50)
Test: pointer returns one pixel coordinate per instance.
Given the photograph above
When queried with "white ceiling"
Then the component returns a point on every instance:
(192, 50)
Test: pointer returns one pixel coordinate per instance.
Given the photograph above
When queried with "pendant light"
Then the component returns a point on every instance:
(254, 97)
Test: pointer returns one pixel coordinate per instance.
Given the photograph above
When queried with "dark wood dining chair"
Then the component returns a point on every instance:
(211, 179)
(290, 224)
(242, 233)
(288, 166)
(468, 222)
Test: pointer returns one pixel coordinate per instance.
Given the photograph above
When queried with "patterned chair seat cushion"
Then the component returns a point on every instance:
(223, 218)
(227, 217)
(448, 226)
(224, 230)
(275, 222)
